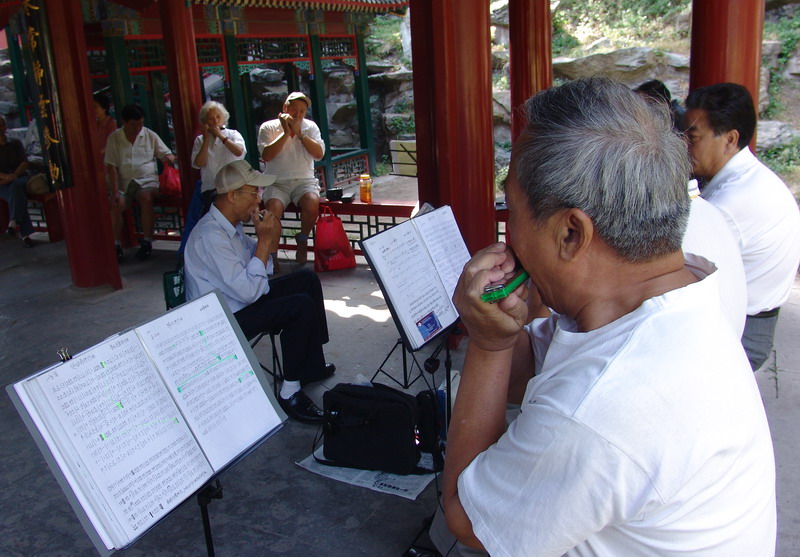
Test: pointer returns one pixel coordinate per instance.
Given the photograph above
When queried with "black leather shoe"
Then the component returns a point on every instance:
(11, 231)
(145, 249)
(301, 408)
(330, 369)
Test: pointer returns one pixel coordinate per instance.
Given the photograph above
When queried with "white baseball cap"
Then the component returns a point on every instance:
(297, 95)
(239, 173)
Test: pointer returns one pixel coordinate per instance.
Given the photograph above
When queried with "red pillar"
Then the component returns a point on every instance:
(530, 28)
(453, 112)
(726, 44)
(177, 28)
(84, 206)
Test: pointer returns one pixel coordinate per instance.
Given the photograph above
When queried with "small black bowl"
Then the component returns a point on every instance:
(334, 194)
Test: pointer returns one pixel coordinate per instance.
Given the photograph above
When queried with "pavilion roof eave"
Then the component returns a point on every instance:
(330, 5)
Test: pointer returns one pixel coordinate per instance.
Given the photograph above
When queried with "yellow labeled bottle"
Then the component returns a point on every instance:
(365, 188)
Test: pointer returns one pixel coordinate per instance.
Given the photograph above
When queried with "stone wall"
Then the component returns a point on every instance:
(8, 98)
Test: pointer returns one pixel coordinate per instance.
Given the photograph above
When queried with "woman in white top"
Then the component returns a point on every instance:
(215, 147)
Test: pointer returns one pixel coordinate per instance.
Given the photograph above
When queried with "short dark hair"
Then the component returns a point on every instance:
(132, 112)
(729, 107)
(655, 89)
(102, 100)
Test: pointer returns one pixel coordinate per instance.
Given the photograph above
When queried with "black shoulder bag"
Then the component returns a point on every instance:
(376, 428)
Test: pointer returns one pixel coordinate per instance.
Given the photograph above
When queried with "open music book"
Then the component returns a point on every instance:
(418, 263)
(136, 424)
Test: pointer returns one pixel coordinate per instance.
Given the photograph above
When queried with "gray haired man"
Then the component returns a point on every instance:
(637, 434)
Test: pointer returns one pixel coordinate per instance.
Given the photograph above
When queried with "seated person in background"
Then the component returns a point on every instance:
(220, 255)
(13, 183)
(642, 431)
(760, 210)
(289, 145)
(215, 147)
(655, 91)
(132, 174)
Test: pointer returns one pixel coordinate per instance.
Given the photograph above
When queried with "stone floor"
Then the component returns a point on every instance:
(271, 506)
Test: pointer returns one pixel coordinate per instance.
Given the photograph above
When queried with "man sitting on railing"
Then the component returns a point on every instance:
(289, 145)
(220, 255)
(132, 174)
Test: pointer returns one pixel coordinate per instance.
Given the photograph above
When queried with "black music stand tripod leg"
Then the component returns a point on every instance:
(408, 370)
(209, 492)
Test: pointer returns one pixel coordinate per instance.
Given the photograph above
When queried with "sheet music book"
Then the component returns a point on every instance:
(136, 424)
(417, 264)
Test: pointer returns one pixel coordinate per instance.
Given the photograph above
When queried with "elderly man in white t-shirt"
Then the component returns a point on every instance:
(132, 174)
(639, 434)
(289, 145)
(758, 207)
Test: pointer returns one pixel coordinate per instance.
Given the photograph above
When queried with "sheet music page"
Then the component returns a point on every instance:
(410, 280)
(445, 243)
(129, 445)
(210, 377)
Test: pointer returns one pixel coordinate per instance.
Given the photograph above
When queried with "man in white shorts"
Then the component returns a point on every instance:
(289, 145)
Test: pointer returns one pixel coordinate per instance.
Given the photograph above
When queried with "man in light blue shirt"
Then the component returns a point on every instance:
(220, 255)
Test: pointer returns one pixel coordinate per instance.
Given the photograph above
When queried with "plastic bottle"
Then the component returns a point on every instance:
(365, 188)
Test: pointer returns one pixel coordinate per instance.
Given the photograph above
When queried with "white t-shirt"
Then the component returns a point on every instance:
(708, 235)
(218, 156)
(644, 437)
(137, 160)
(763, 215)
(294, 161)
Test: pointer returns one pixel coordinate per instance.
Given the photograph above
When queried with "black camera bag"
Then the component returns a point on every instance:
(373, 428)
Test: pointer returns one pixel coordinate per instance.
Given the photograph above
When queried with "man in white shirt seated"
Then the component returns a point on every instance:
(642, 430)
(132, 175)
(220, 255)
(289, 145)
(760, 210)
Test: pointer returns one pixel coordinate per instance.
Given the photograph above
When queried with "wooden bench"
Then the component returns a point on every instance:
(45, 216)
(169, 219)
(360, 220)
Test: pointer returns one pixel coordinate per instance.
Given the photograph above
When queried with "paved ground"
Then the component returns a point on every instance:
(271, 506)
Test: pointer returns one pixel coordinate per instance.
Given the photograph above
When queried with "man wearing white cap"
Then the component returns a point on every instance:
(220, 255)
(289, 145)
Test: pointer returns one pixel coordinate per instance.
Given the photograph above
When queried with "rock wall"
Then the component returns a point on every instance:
(8, 98)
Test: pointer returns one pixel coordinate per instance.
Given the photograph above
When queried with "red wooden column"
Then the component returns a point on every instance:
(84, 206)
(530, 28)
(726, 43)
(453, 112)
(183, 74)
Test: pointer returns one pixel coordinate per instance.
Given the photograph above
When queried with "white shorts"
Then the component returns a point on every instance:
(291, 190)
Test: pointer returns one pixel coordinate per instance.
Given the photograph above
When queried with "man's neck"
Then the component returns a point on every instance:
(618, 289)
(227, 211)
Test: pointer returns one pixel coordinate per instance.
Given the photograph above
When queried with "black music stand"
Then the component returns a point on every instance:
(212, 490)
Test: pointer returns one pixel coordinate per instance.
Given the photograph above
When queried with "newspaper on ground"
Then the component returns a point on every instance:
(408, 487)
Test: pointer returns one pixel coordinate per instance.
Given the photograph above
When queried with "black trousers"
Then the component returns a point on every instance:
(295, 308)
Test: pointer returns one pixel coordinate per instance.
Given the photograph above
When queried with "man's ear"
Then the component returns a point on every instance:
(229, 196)
(575, 233)
(731, 142)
